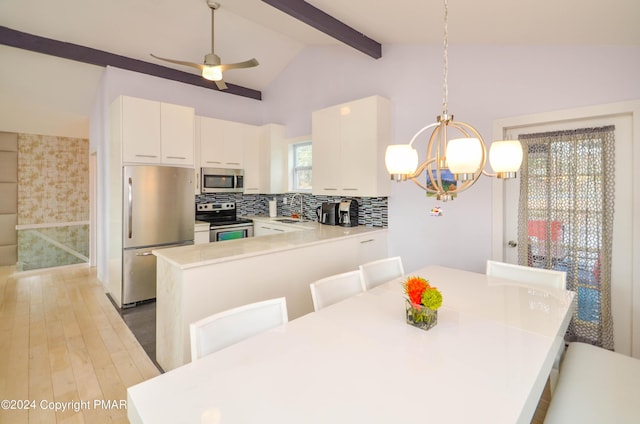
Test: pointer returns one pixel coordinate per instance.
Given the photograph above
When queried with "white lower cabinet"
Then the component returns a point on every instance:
(370, 248)
(201, 233)
(265, 229)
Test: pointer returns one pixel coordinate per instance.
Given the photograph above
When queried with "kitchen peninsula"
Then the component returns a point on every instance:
(196, 281)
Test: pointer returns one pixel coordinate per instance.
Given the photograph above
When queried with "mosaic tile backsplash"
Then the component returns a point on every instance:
(372, 211)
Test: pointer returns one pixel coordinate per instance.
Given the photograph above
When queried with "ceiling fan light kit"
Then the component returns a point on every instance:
(212, 68)
(463, 157)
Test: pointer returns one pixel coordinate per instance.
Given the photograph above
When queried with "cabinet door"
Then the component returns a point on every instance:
(356, 146)
(326, 151)
(260, 230)
(233, 144)
(140, 130)
(221, 143)
(252, 160)
(177, 134)
(196, 154)
(371, 247)
(211, 142)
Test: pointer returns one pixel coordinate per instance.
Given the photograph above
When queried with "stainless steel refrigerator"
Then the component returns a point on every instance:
(158, 212)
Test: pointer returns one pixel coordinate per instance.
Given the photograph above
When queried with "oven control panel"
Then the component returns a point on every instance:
(211, 207)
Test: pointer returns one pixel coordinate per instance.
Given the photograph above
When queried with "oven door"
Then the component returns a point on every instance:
(230, 233)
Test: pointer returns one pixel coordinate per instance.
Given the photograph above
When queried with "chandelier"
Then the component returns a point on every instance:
(451, 165)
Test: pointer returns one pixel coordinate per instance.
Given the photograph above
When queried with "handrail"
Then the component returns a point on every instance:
(51, 225)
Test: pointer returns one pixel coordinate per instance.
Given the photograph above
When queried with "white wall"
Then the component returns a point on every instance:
(485, 83)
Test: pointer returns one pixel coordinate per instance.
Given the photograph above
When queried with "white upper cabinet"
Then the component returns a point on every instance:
(140, 130)
(177, 134)
(349, 141)
(265, 160)
(252, 160)
(221, 143)
(155, 133)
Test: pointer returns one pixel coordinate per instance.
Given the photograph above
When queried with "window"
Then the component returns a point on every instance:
(301, 169)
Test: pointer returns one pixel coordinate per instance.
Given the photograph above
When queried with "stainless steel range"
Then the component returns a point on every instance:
(223, 221)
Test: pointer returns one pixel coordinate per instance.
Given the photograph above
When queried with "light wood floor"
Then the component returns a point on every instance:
(61, 340)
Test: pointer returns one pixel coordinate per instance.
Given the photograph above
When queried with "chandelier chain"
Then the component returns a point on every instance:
(445, 87)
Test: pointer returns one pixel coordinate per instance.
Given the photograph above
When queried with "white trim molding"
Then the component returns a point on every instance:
(631, 328)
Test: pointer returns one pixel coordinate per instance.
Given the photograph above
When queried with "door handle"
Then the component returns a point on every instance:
(512, 243)
(130, 207)
(144, 254)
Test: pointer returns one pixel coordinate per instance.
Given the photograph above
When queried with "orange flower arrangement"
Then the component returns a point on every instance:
(420, 292)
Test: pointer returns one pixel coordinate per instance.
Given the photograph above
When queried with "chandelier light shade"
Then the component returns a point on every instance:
(464, 156)
(505, 157)
(401, 160)
(451, 165)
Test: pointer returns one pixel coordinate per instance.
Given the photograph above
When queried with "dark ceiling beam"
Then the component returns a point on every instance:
(326, 23)
(25, 41)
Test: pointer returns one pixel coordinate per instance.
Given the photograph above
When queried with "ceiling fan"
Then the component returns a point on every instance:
(212, 68)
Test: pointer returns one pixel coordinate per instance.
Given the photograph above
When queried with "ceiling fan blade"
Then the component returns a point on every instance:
(180, 62)
(221, 85)
(246, 64)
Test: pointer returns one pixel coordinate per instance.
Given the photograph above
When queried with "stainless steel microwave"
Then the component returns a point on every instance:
(222, 180)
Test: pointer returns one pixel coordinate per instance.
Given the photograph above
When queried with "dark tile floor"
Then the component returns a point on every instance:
(141, 320)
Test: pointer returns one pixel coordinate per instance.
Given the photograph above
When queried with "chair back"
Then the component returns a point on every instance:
(225, 328)
(335, 288)
(377, 272)
(528, 275)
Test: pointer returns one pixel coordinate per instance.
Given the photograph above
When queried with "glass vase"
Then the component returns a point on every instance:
(421, 316)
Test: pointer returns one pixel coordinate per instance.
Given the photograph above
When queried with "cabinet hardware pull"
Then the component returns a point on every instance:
(366, 241)
(144, 254)
(329, 188)
(350, 189)
(146, 156)
(176, 157)
(232, 163)
(130, 207)
(213, 161)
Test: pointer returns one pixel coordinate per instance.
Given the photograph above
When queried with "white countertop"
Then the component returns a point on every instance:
(487, 360)
(197, 255)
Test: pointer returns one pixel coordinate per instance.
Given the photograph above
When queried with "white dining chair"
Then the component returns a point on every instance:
(543, 278)
(225, 328)
(333, 289)
(377, 272)
(526, 274)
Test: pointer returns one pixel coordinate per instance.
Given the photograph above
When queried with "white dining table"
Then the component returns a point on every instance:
(358, 361)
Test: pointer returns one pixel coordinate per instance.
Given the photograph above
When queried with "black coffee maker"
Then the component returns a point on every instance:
(327, 213)
(348, 213)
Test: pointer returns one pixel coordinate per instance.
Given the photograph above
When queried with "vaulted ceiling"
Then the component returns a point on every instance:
(181, 29)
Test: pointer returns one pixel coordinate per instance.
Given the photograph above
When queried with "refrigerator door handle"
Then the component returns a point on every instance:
(130, 207)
